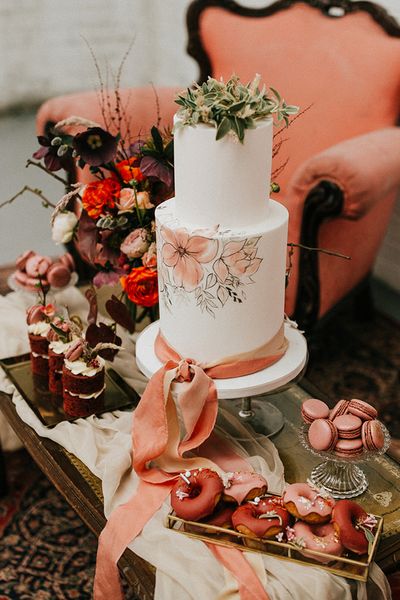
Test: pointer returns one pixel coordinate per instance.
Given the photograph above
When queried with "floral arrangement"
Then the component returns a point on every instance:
(111, 219)
(231, 107)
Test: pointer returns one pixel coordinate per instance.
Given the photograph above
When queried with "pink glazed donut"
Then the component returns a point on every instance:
(321, 538)
(243, 486)
(304, 503)
(196, 494)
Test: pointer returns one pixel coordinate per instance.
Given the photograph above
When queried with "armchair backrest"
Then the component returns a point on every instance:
(346, 67)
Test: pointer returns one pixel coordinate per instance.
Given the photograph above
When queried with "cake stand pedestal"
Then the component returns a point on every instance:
(237, 394)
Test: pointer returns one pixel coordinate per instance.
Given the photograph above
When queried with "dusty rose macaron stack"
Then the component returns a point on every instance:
(348, 429)
(34, 270)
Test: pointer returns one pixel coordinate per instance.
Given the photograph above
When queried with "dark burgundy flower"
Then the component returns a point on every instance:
(91, 297)
(95, 146)
(119, 312)
(102, 333)
(56, 155)
(154, 167)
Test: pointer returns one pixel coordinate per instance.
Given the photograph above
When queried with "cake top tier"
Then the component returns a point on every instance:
(223, 153)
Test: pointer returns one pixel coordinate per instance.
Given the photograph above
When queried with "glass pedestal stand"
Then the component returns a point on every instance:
(243, 396)
(262, 416)
(341, 480)
(341, 477)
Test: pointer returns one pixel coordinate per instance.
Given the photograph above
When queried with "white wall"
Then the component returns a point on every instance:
(43, 54)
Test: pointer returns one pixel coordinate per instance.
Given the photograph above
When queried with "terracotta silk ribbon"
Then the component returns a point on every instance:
(158, 454)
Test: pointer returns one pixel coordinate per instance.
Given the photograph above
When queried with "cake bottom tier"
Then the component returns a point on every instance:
(222, 292)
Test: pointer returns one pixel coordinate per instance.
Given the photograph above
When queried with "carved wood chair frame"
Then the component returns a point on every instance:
(325, 200)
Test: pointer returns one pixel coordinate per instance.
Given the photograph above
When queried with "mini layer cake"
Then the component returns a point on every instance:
(38, 327)
(60, 338)
(83, 379)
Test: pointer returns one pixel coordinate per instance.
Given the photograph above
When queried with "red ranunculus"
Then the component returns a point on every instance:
(99, 195)
(141, 286)
(128, 170)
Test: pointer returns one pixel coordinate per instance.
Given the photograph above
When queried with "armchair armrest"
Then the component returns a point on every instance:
(141, 107)
(365, 168)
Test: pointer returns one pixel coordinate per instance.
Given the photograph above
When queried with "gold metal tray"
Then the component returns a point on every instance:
(349, 566)
(49, 408)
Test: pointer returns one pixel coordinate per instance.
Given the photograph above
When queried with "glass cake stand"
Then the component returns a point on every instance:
(244, 397)
(341, 477)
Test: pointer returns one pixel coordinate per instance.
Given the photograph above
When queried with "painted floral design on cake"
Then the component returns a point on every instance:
(215, 271)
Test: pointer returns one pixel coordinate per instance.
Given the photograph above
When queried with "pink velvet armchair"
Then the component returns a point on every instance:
(340, 58)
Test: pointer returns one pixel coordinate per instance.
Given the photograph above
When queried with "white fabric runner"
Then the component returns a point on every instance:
(186, 569)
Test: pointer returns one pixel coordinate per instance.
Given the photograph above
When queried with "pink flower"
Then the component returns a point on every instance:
(185, 255)
(149, 258)
(128, 199)
(238, 259)
(49, 310)
(143, 200)
(135, 244)
(290, 534)
(105, 278)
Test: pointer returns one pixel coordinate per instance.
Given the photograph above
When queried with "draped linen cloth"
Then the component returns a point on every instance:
(158, 454)
(104, 445)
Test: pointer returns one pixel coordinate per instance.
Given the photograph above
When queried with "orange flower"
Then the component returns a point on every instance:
(128, 171)
(141, 286)
(98, 195)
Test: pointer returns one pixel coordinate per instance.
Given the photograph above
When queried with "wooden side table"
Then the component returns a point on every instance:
(83, 490)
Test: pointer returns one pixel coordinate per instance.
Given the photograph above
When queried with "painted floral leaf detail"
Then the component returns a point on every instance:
(221, 270)
(222, 295)
(211, 280)
(252, 242)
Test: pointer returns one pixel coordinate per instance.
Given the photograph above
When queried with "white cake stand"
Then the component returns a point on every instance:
(237, 393)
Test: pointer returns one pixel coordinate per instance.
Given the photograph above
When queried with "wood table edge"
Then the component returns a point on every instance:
(66, 478)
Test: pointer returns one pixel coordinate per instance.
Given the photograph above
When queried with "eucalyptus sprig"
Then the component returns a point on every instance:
(231, 106)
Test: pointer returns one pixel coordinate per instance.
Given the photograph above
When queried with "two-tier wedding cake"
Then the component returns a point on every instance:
(221, 241)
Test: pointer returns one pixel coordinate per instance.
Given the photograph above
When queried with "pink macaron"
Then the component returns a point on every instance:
(362, 409)
(67, 260)
(339, 409)
(34, 314)
(372, 435)
(37, 265)
(58, 275)
(312, 409)
(349, 426)
(347, 448)
(21, 260)
(323, 435)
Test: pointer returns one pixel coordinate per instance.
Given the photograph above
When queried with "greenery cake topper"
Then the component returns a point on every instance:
(231, 107)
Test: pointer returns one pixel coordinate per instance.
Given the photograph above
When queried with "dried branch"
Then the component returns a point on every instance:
(36, 164)
(35, 191)
(322, 250)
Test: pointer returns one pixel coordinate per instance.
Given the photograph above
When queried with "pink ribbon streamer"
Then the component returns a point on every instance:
(158, 456)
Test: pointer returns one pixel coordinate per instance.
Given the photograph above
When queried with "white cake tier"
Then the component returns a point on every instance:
(221, 291)
(222, 182)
